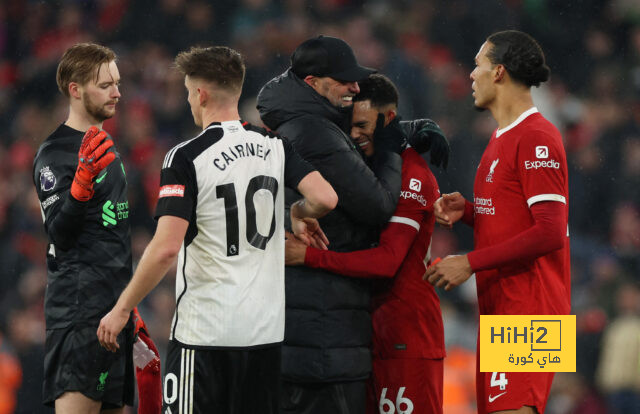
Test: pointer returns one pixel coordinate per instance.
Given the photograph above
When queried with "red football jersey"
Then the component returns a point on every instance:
(407, 320)
(523, 164)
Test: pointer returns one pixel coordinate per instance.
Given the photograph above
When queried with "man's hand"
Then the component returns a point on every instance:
(309, 232)
(449, 209)
(452, 271)
(294, 250)
(92, 158)
(307, 229)
(389, 138)
(110, 326)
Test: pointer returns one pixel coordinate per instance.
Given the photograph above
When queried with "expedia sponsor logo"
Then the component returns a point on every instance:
(409, 195)
(534, 165)
(542, 151)
(50, 200)
(415, 184)
(171, 191)
(484, 206)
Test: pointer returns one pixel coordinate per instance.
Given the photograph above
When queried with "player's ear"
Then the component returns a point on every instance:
(203, 96)
(501, 71)
(390, 115)
(74, 90)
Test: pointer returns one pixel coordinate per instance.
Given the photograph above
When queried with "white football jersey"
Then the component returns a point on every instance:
(228, 182)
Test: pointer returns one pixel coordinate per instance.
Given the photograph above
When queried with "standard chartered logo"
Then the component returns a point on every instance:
(111, 212)
(108, 215)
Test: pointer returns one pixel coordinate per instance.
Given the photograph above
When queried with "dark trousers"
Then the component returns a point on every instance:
(322, 398)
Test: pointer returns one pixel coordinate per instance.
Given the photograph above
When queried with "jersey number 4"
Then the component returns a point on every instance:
(228, 193)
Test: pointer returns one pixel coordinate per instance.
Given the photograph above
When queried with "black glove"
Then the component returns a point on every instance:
(426, 136)
(389, 138)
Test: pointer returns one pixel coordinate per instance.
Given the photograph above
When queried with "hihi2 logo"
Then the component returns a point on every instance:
(527, 343)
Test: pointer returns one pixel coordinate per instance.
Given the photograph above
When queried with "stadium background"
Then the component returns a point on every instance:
(427, 48)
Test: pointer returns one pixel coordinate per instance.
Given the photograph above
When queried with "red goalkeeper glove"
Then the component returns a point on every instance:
(147, 362)
(92, 158)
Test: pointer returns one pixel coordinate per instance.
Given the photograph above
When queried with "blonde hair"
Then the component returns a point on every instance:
(80, 62)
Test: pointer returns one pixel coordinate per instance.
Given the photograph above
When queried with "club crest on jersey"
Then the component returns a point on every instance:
(542, 152)
(415, 184)
(489, 178)
(47, 179)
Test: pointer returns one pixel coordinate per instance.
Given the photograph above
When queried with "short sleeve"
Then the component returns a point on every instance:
(178, 187)
(542, 167)
(416, 195)
(295, 167)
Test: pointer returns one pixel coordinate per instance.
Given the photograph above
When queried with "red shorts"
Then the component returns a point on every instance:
(405, 386)
(497, 391)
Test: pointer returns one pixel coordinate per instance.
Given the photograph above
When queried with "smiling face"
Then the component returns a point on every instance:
(484, 91)
(100, 95)
(339, 93)
(363, 125)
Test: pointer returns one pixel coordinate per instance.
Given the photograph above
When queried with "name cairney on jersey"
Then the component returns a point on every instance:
(228, 182)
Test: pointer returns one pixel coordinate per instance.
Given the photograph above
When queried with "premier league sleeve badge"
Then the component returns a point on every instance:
(47, 179)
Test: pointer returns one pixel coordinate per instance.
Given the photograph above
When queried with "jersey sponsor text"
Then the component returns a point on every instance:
(534, 165)
(407, 195)
(50, 200)
(171, 191)
(484, 206)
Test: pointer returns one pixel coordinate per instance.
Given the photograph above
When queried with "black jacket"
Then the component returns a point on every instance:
(89, 252)
(328, 324)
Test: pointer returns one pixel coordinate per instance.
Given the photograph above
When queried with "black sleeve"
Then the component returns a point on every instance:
(368, 196)
(178, 187)
(64, 216)
(295, 167)
(68, 223)
(411, 127)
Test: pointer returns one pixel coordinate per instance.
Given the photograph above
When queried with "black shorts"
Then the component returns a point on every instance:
(222, 381)
(75, 361)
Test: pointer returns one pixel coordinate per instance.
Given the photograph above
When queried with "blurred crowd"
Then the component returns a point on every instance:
(427, 48)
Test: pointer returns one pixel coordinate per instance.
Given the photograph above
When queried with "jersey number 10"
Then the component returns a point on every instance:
(228, 193)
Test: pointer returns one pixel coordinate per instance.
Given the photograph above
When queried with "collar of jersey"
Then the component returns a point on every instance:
(521, 118)
(237, 122)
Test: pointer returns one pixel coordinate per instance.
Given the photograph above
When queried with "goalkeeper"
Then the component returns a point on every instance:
(81, 185)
